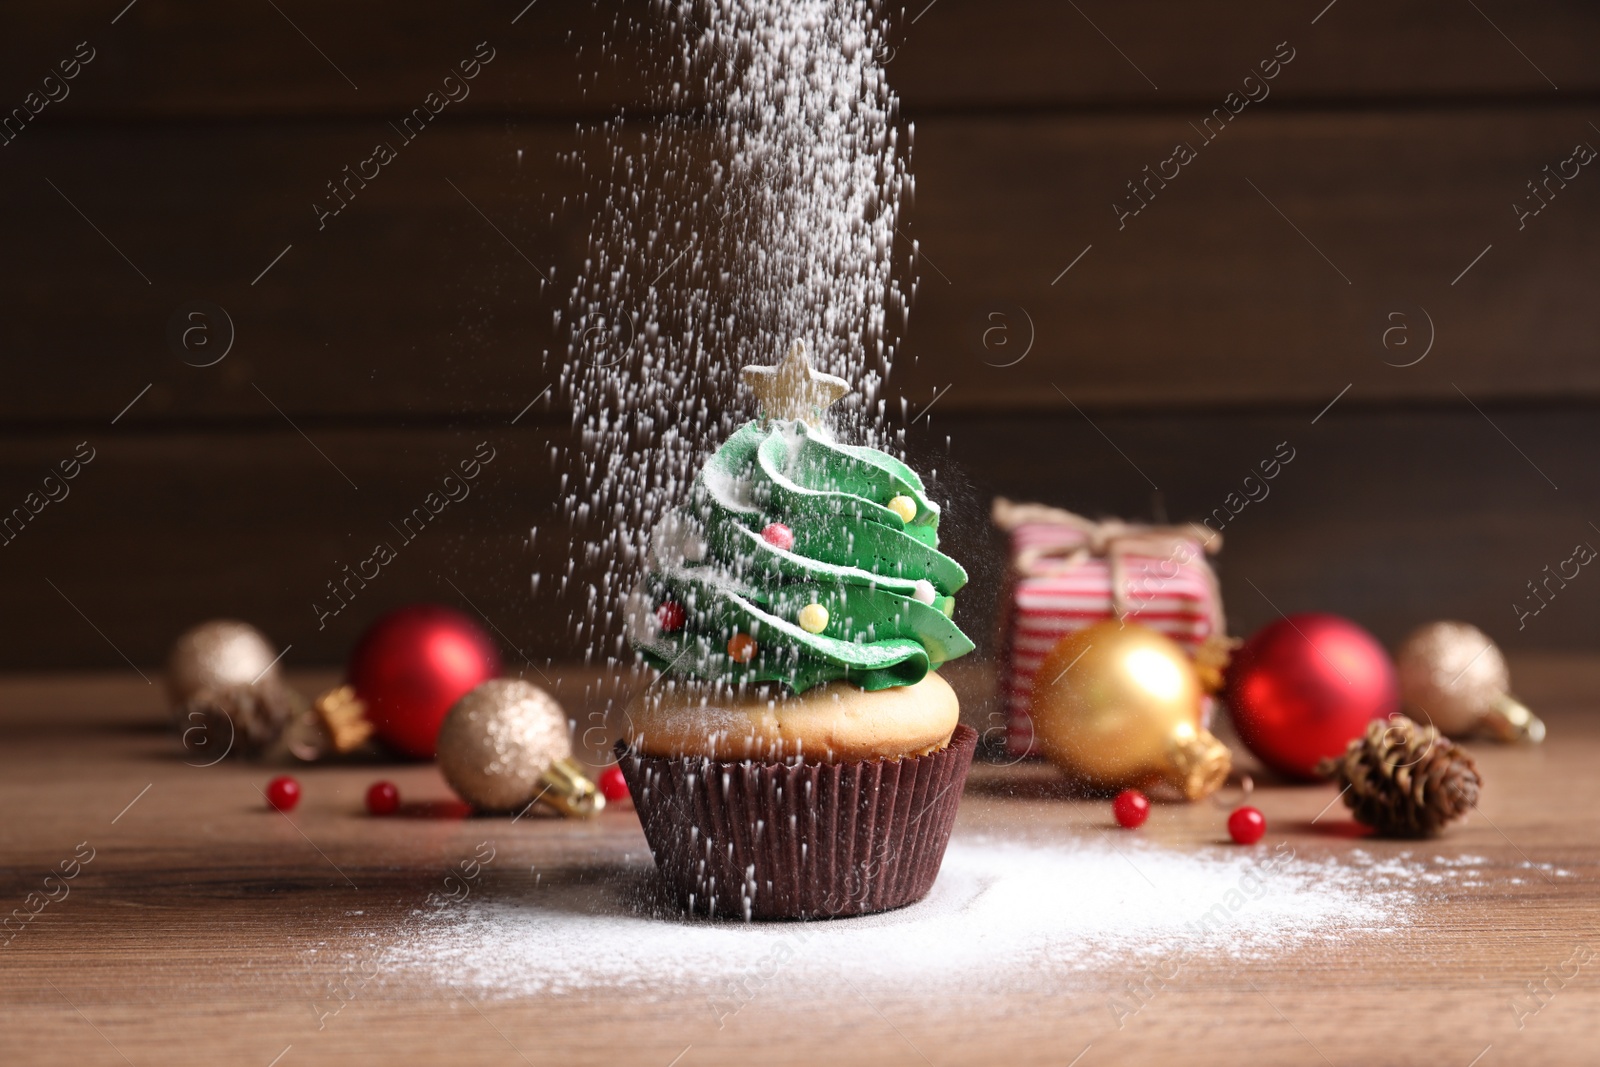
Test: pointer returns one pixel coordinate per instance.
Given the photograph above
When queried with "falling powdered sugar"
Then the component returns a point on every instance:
(754, 204)
(1003, 912)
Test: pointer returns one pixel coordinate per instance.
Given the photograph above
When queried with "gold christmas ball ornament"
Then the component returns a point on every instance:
(1117, 704)
(227, 694)
(505, 745)
(1454, 677)
(219, 655)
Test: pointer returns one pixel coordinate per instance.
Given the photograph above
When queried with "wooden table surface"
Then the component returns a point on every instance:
(206, 929)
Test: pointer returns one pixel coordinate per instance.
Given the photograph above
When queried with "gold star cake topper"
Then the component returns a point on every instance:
(792, 390)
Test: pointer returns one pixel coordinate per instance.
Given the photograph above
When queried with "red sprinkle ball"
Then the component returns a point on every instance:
(671, 616)
(383, 798)
(283, 793)
(778, 536)
(613, 786)
(1131, 808)
(742, 648)
(1247, 825)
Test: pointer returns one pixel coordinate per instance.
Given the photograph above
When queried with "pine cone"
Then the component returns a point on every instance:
(1404, 780)
(241, 720)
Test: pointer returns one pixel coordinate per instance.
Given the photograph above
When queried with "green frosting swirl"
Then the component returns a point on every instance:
(888, 590)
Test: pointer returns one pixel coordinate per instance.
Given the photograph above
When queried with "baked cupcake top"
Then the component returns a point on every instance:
(799, 559)
(832, 723)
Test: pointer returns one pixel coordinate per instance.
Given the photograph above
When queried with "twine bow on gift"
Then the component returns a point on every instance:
(1113, 541)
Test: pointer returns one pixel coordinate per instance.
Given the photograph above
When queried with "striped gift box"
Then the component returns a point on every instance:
(1061, 580)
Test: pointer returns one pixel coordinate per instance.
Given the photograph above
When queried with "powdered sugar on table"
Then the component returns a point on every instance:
(1004, 911)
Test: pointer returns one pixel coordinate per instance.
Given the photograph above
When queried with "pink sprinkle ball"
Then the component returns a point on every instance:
(671, 616)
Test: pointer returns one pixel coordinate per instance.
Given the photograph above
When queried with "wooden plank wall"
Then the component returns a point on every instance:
(1371, 188)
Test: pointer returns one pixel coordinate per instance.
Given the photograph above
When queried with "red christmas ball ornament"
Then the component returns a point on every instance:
(778, 536)
(1131, 808)
(613, 785)
(283, 793)
(412, 665)
(671, 616)
(383, 798)
(1304, 687)
(1247, 825)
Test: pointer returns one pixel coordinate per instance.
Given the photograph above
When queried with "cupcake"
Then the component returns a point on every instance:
(797, 756)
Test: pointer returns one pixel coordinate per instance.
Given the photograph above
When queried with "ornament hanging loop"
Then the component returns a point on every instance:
(1224, 799)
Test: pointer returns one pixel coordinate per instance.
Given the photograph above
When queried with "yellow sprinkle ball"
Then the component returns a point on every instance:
(813, 618)
(904, 507)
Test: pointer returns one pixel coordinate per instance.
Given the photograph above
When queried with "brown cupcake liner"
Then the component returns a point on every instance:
(748, 840)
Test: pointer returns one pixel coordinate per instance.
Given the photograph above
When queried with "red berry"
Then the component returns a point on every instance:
(671, 616)
(283, 793)
(613, 785)
(383, 798)
(1247, 825)
(742, 648)
(778, 536)
(1131, 808)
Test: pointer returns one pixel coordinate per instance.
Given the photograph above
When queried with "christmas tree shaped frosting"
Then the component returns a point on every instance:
(798, 559)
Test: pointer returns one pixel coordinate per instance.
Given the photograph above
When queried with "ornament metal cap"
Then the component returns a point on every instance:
(564, 787)
(1200, 763)
(334, 724)
(343, 717)
(1510, 720)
